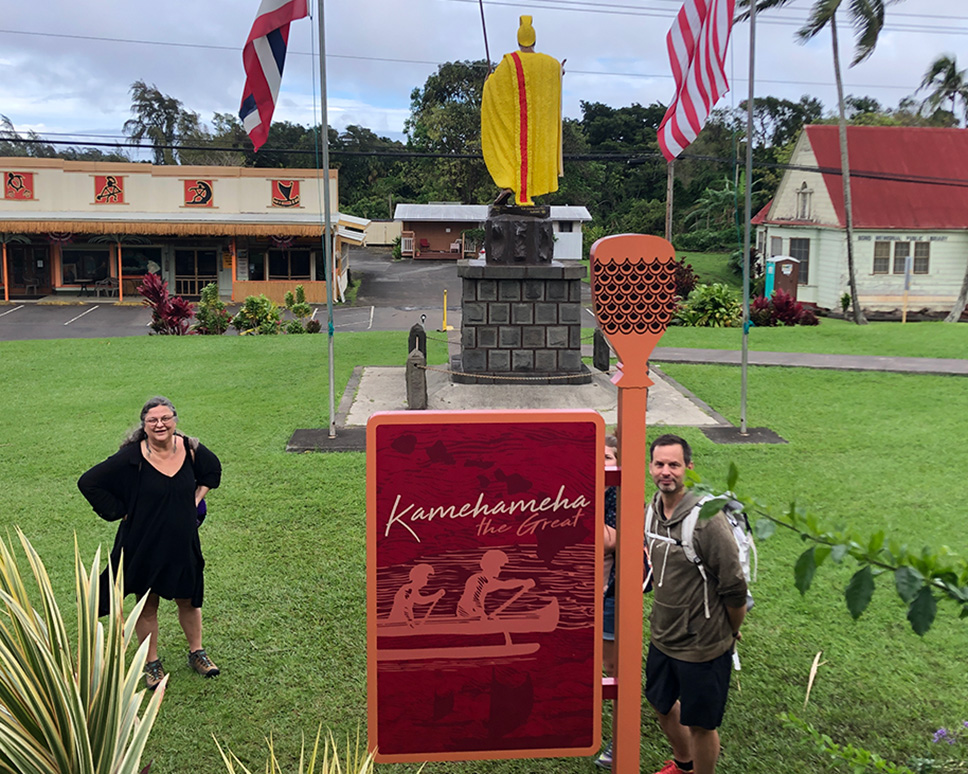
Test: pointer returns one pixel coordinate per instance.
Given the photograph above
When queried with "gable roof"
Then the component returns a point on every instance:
(932, 164)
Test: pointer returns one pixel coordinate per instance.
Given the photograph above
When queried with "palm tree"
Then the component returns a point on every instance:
(947, 83)
(156, 117)
(867, 19)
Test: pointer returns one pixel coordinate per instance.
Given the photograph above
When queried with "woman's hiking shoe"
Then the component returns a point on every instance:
(604, 759)
(201, 663)
(154, 674)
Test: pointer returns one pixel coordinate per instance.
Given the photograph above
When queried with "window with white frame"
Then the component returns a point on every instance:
(901, 251)
(800, 249)
(776, 246)
(804, 200)
(922, 255)
(882, 257)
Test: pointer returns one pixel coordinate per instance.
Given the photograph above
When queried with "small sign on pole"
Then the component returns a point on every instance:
(908, 267)
(484, 564)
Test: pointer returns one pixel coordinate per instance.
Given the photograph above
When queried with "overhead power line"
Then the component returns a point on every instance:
(632, 159)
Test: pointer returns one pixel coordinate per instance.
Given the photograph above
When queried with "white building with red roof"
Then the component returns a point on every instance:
(909, 187)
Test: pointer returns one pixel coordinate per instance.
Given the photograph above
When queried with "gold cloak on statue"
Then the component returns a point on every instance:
(521, 124)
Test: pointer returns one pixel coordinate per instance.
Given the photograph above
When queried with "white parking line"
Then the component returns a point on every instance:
(12, 310)
(370, 325)
(81, 315)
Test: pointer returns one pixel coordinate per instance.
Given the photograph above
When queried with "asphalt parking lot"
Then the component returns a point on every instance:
(393, 295)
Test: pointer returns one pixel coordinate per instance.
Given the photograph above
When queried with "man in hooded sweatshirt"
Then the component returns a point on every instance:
(694, 621)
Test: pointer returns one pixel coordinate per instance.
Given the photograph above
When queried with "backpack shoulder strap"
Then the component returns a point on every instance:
(689, 528)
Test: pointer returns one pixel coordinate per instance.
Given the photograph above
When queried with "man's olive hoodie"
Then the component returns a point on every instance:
(678, 621)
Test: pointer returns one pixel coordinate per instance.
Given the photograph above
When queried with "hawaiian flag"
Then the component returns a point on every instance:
(263, 57)
(697, 46)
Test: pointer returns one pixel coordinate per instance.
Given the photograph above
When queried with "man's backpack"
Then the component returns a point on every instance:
(739, 526)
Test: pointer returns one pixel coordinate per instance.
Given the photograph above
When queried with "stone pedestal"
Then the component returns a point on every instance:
(520, 320)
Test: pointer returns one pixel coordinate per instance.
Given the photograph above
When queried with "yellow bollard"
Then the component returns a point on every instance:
(444, 326)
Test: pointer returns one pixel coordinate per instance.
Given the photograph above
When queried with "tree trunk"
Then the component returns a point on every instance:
(845, 173)
(959, 306)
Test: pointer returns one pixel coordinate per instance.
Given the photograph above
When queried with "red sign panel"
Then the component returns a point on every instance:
(199, 193)
(108, 189)
(483, 584)
(18, 185)
(285, 193)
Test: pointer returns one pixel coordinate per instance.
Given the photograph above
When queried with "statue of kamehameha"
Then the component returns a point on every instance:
(521, 120)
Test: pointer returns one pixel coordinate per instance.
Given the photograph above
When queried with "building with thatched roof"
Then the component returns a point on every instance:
(71, 227)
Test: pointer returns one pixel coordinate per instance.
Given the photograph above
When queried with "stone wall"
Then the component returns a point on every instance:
(521, 321)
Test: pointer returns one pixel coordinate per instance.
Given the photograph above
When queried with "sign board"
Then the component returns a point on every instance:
(484, 587)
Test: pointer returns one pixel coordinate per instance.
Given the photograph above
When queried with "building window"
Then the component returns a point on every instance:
(800, 249)
(137, 261)
(804, 197)
(84, 263)
(776, 246)
(901, 251)
(288, 264)
(565, 226)
(922, 255)
(882, 257)
(194, 269)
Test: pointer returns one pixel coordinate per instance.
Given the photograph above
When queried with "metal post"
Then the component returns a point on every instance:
(670, 179)
(6, 274)
(327, 229)
(120, 278)
(746, 234)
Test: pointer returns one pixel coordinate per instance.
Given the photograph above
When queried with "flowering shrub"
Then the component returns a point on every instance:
(169, 314)
(780, 309)
(257, 315)
(211, 317)
(686, 278)
(949, 759)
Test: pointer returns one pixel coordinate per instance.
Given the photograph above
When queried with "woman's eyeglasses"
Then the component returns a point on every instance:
(159, 420)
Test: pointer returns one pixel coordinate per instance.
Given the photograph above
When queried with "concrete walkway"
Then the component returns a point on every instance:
(898, 365)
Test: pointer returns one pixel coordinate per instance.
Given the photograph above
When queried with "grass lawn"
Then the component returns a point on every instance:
(712, 267)
(921, 339)
(284, 540)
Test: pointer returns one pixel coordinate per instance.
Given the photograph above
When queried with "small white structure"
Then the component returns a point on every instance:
(910, 204)
(437, 230)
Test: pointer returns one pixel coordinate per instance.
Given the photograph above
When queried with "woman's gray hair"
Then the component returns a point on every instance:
(138, 434)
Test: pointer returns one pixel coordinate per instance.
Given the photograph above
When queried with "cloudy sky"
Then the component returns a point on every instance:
(67, 67)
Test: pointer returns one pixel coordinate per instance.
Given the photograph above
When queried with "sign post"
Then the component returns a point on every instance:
(633, 285)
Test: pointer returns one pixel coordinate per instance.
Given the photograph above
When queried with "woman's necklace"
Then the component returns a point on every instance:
(174, 446)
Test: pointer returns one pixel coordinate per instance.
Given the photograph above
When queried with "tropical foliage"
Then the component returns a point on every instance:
(710, 306)
(780, 309)
(920, 577)
(354, 760)
(211, 317)
(258, 315)
(169, 314)
(68, 702)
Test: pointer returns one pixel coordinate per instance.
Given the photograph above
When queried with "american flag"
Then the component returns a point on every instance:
(697, 46)
(263, 57)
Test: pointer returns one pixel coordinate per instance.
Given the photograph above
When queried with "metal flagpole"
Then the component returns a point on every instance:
(749, 217)
(327, 229)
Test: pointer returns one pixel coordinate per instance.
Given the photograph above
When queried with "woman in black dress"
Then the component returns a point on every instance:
(153, 484)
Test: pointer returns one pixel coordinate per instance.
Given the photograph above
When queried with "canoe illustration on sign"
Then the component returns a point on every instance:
(544, 619)
(472, 618)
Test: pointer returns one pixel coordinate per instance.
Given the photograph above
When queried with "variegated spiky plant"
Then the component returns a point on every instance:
(355, 759)
(68, 703)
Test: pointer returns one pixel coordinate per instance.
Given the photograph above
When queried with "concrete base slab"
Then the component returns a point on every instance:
(727, 435)
(316, 440)
(384, 389)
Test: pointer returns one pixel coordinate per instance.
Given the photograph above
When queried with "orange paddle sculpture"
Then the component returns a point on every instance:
(633, 286)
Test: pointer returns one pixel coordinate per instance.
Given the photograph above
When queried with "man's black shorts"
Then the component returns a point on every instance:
(702, 688)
